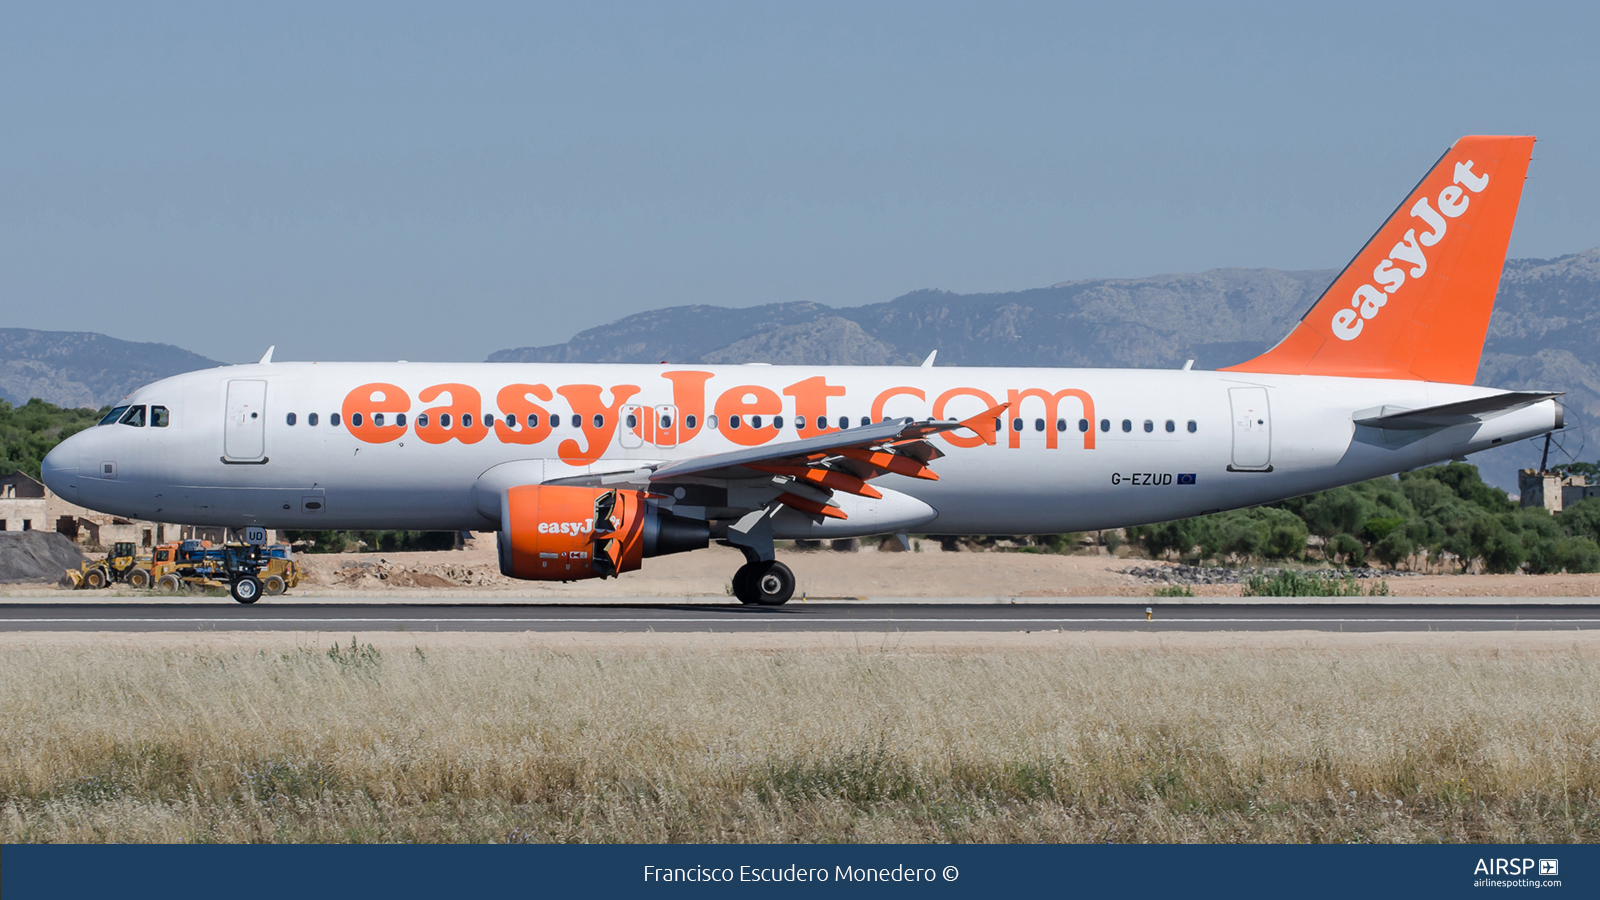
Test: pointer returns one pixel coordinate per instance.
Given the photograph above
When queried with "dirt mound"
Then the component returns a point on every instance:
(382, 573)
(36, 556)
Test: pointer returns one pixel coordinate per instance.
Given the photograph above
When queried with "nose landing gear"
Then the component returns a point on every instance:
(764, 583)
(246, 589)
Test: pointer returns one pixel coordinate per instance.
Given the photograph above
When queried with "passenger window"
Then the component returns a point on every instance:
(1149, 426)
(711, 422)
(1127, 425)
(377, 419)
(1083, 424)
(555, 421)
(1038, 424)
(799, 423)
(844, 422)
(632, 421)
(755, 421)
(688, 421)
(111, 418)
(733, 422)
(777, 422)
(1016, 424)
(1171, 426)
(1191, 426)
(466, 420)
(488, 420)
(400, 419)
(666, 421)
(511, 420)
(1061, 425)
(158, 417)
(311, 420)
(134, 417)
(533, 420)
(355, 419)
(1105, 424)
(599, 421)
(822, 422)
(290, 418)
(333, 419)
(422, 421)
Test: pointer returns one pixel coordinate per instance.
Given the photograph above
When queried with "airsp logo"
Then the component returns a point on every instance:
(1549, 867)
(1500, 866)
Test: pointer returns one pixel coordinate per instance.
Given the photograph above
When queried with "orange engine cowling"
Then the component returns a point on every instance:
(555, 533)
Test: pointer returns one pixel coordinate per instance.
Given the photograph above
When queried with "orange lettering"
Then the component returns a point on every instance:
(513, 400)
(811, 402)
(744, 401)
(883, 399)
(689, 396)
(465, 406)
(373, 398)
(585, 400)
(959, 440)
(1052, 403)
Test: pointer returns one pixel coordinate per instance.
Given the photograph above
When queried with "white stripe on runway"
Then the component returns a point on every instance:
(748, 620)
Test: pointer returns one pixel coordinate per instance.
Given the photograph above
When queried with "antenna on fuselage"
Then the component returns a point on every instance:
(267, 356)
(928, 363)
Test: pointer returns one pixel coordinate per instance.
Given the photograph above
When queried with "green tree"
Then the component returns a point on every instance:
(30, 431)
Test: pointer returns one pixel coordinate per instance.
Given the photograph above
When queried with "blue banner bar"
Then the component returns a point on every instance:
(388, 871)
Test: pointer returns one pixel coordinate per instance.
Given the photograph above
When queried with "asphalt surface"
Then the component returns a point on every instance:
(794, 617)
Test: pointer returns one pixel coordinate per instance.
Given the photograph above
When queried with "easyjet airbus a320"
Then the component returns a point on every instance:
(586, 470)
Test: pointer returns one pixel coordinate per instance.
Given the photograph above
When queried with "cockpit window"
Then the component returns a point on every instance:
(134, 416)
(158, 417)
(114, 416)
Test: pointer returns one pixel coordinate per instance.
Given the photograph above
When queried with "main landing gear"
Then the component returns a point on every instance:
(763, 583)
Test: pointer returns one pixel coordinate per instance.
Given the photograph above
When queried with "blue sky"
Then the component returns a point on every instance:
(382, 181)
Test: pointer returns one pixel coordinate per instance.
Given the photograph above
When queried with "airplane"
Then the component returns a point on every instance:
(586, 470)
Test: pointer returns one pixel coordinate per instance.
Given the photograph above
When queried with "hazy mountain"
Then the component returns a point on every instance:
(80, 368)
(1545, 331)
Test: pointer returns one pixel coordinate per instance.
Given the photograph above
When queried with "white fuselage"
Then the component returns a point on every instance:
(228, 455)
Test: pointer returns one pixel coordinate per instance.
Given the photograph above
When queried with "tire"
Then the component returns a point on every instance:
(139, 578)
(169, 584)
(246, 589)
(94, 579)
(768, 583)
(273, 585)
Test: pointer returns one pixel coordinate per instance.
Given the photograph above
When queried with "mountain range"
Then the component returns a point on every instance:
(1544, 334)
(81, 368)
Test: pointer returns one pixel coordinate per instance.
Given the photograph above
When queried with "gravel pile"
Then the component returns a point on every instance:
(36, 556)
(1181, 574)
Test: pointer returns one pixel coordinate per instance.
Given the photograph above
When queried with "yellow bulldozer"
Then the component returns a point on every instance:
(122, 565)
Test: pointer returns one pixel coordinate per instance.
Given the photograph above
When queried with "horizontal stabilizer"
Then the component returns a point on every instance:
(1449, 414)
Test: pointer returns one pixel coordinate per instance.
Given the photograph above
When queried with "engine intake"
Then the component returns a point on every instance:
(556, 533)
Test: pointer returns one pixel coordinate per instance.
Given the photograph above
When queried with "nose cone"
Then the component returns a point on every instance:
(59, 471)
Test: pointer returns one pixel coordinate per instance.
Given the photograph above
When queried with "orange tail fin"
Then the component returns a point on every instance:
(1415, 302)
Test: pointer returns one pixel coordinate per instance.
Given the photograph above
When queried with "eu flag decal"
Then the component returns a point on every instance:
(1186, 479)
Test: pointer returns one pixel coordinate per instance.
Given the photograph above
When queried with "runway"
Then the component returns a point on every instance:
(794, 617)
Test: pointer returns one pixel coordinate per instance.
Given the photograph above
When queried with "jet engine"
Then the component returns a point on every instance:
(556, 533)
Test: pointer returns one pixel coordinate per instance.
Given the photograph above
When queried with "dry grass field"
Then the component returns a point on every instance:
(530, 743)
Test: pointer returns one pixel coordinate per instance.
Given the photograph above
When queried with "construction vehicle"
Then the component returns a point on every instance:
(121, 565)
(197, 564)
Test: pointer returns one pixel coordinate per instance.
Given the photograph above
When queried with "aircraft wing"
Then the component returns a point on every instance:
(1448, 414)
(803, 474)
